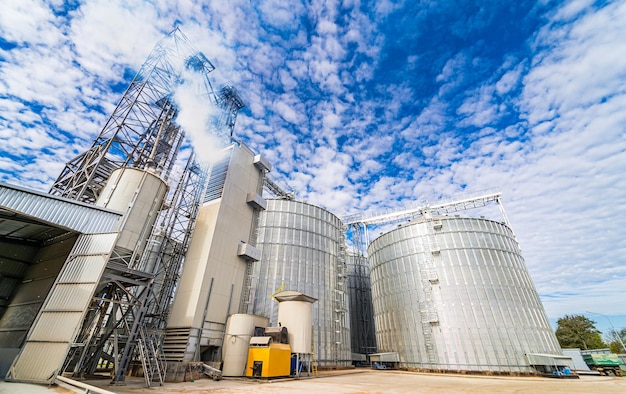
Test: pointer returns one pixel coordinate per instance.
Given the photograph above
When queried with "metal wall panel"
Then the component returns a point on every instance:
(79, 270)
(54, 326)
(217, 177)
(67, 213)
(456, 295)
(59, 320)
(31, 365)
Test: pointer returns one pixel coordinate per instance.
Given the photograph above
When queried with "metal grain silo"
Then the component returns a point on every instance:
(303, 250)
(454, 293)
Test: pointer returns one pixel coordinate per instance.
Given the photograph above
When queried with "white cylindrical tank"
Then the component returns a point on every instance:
(295, 312)
(302, 250)
(454, 293)
(239, 329)
(138, 193)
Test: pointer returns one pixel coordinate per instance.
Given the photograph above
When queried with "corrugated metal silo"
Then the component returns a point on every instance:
(455, 294)
(303, 251)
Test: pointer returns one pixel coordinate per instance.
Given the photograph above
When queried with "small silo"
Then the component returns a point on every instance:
(453, 293)
(303, 250)
(239, 329)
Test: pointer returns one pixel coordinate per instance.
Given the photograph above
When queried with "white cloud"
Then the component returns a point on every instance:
(346, 133)
(29, 21)
(509, 80)
(108, 34)
(281, 14)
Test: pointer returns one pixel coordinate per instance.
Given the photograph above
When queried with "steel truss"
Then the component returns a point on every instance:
(462, 203)
(125, 322)
(276, 190)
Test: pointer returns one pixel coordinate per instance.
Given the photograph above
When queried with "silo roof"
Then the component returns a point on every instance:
(291, 295)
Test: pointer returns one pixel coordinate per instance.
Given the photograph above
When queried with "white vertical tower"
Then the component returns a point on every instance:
(212, 281)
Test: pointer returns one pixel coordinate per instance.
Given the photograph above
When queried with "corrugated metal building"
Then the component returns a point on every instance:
(52, 253)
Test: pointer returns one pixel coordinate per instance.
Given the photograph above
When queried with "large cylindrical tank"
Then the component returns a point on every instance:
(239, 329)
(302, 247)
(453, 293)
(138, 193)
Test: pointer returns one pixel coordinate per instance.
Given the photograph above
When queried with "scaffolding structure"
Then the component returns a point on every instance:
(125, 322)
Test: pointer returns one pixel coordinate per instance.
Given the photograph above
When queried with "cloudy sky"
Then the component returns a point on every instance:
(364, 106)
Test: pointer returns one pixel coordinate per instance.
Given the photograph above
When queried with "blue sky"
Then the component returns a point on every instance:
(364, 106)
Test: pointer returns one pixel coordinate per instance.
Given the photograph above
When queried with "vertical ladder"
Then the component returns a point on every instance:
(249, 286)
(339, 299)
(429, 278)
(313, 358)
(245, 304)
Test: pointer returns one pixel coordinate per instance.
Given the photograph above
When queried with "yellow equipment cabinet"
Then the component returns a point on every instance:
(267, 359)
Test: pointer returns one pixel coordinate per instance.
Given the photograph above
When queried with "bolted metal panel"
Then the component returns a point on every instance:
(62, 212)
(92, 245)
(79, 270)
(31, 366)
(55, 326)
(302, 251)
(70, 296)
(454, 294)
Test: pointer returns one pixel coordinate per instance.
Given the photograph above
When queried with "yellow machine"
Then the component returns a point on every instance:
(267, 359)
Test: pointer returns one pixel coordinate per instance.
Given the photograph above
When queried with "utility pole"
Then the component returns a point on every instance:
(612, 327)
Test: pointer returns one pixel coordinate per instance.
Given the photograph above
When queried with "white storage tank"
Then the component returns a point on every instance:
(453, 293)
(139, 194)
(295, 312)
(239, 329)
(303, 250)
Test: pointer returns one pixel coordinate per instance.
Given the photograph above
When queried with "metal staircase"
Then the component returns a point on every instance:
(152, 359)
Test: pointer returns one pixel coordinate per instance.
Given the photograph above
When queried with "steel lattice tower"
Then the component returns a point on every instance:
(140, 132)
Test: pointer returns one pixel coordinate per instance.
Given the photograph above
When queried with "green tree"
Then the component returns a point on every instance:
(614, 344)
(577, 331)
